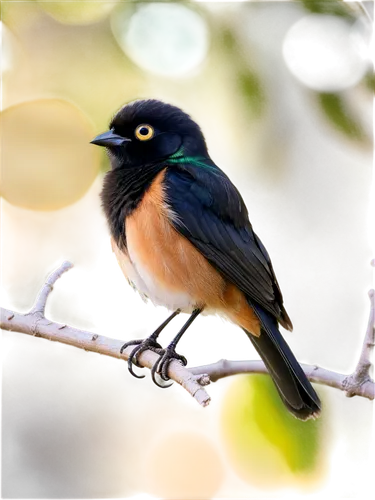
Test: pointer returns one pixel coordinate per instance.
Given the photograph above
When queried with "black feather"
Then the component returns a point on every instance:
(123, 189)
(290, 380)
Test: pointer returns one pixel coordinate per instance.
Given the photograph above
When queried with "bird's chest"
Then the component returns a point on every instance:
(163, 265)
(151, 265)
(153, 260)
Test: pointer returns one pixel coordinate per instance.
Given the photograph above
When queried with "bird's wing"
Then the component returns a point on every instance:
(210, 212)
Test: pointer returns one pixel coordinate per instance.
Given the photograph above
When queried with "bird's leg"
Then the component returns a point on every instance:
(162, 364)
(146, 344)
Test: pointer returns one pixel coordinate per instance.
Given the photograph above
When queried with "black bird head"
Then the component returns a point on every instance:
(150, 131)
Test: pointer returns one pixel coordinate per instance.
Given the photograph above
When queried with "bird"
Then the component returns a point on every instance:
(182, 237)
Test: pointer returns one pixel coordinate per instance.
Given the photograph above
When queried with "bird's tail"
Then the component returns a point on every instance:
(291, 382)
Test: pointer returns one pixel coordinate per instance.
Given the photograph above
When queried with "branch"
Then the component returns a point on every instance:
(194, 379)
(34, 323)
(226, 368)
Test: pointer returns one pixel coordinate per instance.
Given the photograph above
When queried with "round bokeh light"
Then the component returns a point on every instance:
(163, 38)
(47, 161)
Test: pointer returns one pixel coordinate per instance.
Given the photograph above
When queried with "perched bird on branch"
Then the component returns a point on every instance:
(181, 234)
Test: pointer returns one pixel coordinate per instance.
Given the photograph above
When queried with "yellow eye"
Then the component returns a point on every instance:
(144, 132)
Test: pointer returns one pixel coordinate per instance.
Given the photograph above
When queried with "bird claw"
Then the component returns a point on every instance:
(141, 345)
(162, 365)
(165, 355)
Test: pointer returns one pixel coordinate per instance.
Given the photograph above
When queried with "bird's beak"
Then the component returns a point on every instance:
(109, 139)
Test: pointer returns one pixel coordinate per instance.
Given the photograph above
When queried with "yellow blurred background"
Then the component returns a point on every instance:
(283, 92)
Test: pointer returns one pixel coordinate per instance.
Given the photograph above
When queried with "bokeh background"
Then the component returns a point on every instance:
(283, 92)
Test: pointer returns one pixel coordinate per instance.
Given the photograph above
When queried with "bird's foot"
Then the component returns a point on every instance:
(141, 345)
(162, 365)
(165, 355)
(151, 341)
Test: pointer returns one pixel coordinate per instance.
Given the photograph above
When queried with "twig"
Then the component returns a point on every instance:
(40, 304)
(364, 366)
(194, 379)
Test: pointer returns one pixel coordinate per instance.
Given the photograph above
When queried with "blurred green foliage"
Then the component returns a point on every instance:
(332, 7)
